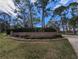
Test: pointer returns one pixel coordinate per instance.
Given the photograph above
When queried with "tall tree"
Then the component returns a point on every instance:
(25, 7)
(4, 21)
(73, 23)
(41, 4)
(59, 11)
(74, 12)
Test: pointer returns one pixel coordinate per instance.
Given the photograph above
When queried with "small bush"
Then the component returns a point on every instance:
(31, 30)
(8, 31)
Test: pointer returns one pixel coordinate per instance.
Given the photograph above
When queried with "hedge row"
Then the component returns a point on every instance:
(31, 30)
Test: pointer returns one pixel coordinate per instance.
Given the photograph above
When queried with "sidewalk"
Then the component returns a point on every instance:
(73, 39)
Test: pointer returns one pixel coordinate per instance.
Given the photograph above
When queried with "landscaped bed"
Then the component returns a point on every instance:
(36, 35)
(54, 49)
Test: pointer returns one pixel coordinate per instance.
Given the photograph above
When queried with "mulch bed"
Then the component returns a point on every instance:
(36, 35)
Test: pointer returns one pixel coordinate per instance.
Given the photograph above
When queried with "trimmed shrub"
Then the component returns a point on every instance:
(8, 31)
(31, 30)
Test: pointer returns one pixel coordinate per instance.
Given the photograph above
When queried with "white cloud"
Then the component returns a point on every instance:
(7, 6)
(33, 1)
(56, 6)
(64, 1)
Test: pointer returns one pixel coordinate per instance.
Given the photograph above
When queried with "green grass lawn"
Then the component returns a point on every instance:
(55, 49)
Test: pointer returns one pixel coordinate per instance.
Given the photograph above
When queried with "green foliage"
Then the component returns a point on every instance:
(17, 1)
(74, 21)
(20, 29)
(44, 3)
(36, 20)
(73, 4)
(41, 4)
(74, 8)
(59, 10)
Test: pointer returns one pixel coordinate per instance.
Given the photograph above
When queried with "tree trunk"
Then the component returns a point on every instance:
(0, 27)
(62, 24)
(74, 32)
(66, 27)
(31, 24)
(43, 22)
(24, 21)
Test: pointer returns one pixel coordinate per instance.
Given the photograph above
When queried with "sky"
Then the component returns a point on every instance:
(8, 6)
